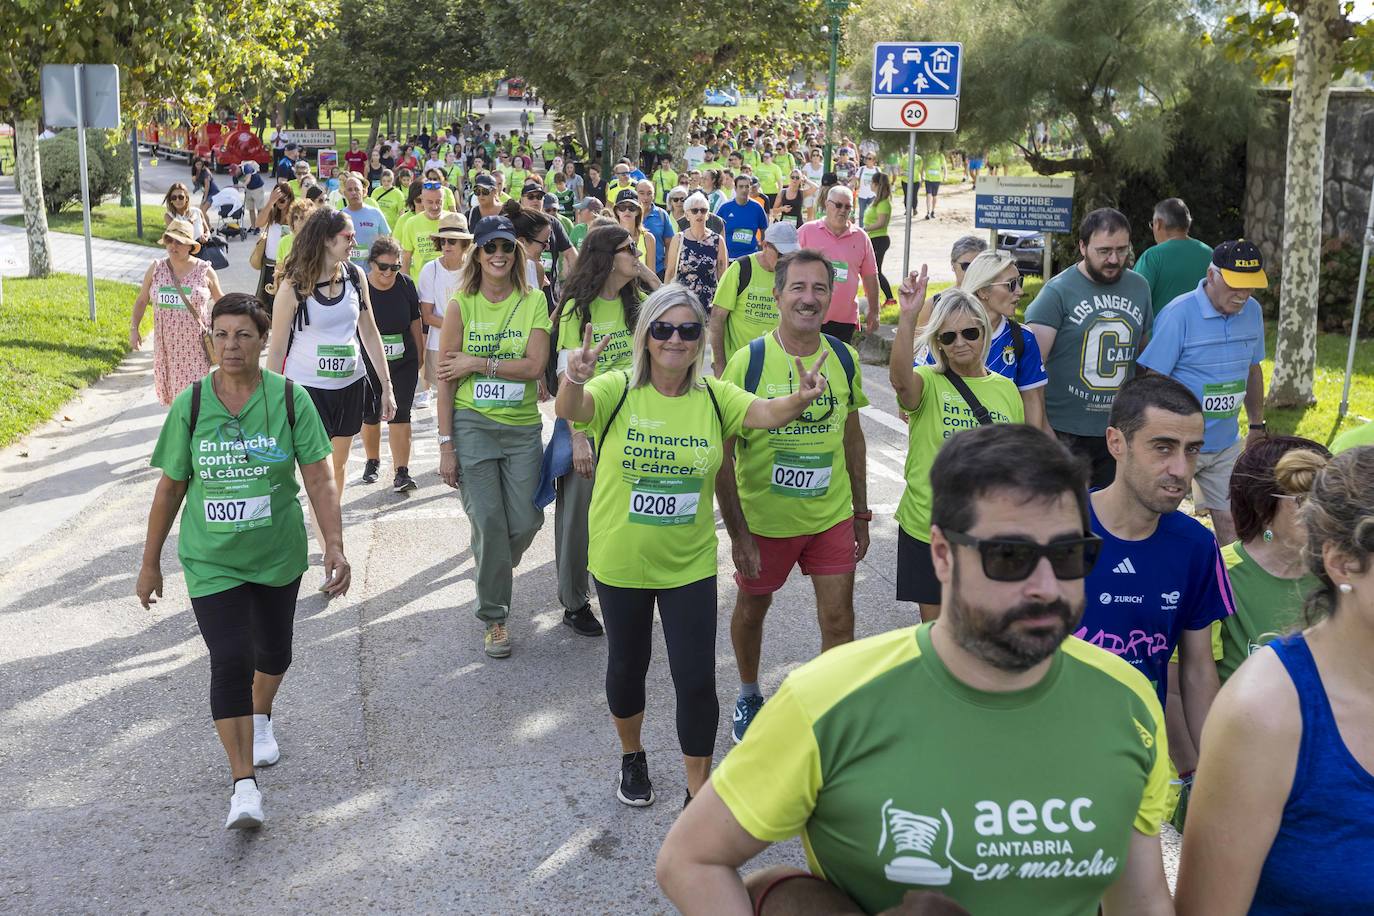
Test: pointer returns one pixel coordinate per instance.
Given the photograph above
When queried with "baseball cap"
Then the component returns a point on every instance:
(1241, 265)
(628, 196)
(489, 228)
(588, 203)
(782, 236)
(550, 202)
(484, 181)
(291, 146)
(530, 187)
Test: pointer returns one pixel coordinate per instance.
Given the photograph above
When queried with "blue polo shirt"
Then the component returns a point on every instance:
(1212, 354)
(657, 222)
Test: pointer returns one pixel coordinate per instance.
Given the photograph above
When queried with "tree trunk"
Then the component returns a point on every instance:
(1295, 353)
(372, 131)
(632, 149)
(28, 177)
(681, 129)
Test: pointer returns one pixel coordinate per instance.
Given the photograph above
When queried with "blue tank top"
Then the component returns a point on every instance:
(1320, 860)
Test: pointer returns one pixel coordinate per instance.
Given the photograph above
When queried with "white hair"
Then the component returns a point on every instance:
(696, 198)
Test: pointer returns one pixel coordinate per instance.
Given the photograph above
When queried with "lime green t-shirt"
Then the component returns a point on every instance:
(795, 480)
(391, 201)
(769, 176)
(577, 233)
(942, 413)
(608, 320)
(748, 315)
(899, 777)
(664, 181)
(1351, 438)
(1267, 607)
(652, 508)
(416, 239)
(501, 329)
(935, 167)
(871, 215)
(284, 246)
(241, 521)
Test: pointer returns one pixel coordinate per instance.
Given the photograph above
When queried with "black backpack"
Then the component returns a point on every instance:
(615, 411)
(290, 402)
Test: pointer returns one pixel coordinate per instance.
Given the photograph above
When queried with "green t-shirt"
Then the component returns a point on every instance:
(241, 521)
(577, 233)
(1266, 608)
(501, 329)
(934, 167)
(414, 236)
(1360, 435)
(750, 315)
(795, 480)
(391, 201)
(608, 320)
(942, 413)
(549, 150)
(900, 777)
(288, 239)
(652, 505)
(664, 181)
(1100, 333)
(769, 176)
(1173, 268)
(871, 215)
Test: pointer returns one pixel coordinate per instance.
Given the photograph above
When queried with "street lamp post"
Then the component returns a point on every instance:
(836, 7)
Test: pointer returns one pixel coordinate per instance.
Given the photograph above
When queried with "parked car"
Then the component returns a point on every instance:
(717, 97)
(1026, 247)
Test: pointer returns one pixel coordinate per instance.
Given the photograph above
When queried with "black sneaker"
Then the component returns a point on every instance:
(370, 470)
(583, 621)
(403, 481)
(635, 789)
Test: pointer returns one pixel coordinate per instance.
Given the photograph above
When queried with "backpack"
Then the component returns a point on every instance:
(354, 274)
(615, 412)
(746, 271)
(754, 373)
(290, 403)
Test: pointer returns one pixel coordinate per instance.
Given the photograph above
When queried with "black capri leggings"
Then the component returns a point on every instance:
(688, 613)
(246, 628)
(880, 246)
(405, 376)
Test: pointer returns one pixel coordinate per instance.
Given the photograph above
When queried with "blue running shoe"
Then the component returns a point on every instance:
(745, 710)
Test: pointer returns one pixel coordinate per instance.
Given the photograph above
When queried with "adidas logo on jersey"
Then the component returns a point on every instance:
(1125, 566)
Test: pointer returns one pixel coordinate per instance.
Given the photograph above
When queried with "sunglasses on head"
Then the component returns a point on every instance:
(969, 334)
(663, 330)
(1008, 560)
(502, 246)
(386, 267)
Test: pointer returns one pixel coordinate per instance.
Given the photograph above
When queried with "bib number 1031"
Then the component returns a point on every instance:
(665, 500)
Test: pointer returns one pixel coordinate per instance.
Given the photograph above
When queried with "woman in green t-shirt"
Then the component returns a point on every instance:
(660, 427)
(495, 342)
(956, 393)
(229, 448)
(877, 215)
(600, 294)
(1269, 577)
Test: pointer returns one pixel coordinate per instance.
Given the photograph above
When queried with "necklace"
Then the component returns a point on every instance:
(791, 386)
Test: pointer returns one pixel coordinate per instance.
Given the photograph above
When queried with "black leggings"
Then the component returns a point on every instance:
(688, 613)
(246, 628)
(880, 246)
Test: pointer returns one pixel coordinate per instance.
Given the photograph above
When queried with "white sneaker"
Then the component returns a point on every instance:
(422, 399)
(265, 750)
(245, 807)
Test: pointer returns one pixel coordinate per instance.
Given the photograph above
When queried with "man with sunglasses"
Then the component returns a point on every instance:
(558, 255)
(798, 494)
(984, 760)
(368, 221)
(417, 235)
(1160, 581)
(851, 254)
(1091, 322)
(620, 180)
(658, 222)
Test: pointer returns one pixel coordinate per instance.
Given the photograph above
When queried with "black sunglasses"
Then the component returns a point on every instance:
(502, 246)
(483, 192)
(535, 195)
(964, 265)
(386, 267)
(697, 210)
(628, 249)
(687, 331)
(445, 242)
(1006, 560)
(969, 334)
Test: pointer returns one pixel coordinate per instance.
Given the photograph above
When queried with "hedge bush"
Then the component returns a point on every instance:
(109, 168)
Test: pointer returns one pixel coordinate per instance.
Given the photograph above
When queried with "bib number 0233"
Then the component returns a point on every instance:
(665, 500)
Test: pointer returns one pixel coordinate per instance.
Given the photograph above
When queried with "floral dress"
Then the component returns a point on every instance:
(696, 266)
(178, 355)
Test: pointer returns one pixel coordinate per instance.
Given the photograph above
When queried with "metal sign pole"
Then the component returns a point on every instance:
(1359, 307)
(138, 186)
(910, 203)
(1048, 264)
(79, 75)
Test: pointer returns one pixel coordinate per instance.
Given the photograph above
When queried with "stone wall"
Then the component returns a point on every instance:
(1349, 169)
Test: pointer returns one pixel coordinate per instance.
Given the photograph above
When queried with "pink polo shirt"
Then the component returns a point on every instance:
(851, 254)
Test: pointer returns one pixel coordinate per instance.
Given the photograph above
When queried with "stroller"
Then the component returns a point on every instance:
(227, 206)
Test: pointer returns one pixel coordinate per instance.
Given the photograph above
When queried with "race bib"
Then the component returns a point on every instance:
(237, 505)
(546, 261)
(742, 236)
(167, 297)
(665, 500)
(360, 254)
(495, 392)
(841, 271)
(801, 476)
(335, 360)
(394, 346)
(1222, 400)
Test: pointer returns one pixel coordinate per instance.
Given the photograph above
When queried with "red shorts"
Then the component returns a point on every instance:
(827, 553)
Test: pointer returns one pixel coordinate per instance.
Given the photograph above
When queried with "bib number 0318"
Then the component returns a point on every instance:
(665, 500)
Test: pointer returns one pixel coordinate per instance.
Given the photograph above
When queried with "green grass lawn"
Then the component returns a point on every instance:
(49, 349)
(1316, 421)
(108, 221)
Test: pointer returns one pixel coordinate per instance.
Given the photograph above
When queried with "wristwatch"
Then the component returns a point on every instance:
(444, 440)
(1259, 425)
(865, 515)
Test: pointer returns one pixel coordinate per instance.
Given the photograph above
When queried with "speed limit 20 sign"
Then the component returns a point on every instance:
(914, 114)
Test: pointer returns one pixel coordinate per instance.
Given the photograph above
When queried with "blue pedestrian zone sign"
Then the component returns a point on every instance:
(917, 69)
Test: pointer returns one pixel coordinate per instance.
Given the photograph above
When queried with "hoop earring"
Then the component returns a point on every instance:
(1345, 588)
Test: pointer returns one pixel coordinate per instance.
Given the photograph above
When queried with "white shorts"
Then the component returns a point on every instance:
(1212, 480)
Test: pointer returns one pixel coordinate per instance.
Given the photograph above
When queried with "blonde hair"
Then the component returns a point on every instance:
(954, 302)
(1339, 511)
(668, 296)
(984, 270)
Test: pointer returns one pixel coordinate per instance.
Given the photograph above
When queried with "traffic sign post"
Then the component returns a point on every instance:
(915, 88)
